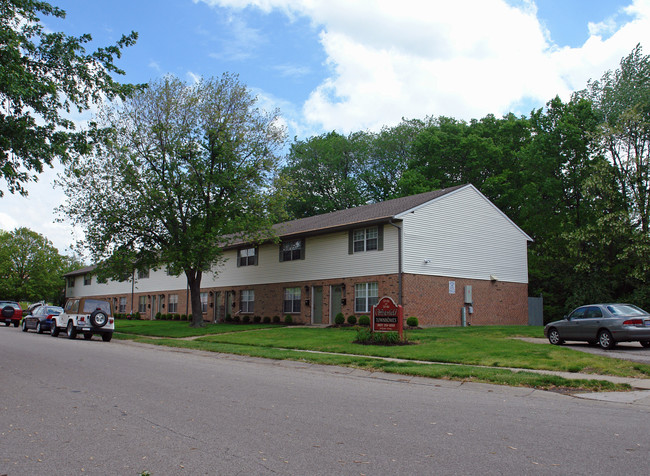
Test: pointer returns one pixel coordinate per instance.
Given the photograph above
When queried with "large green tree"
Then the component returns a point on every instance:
(622, 100)
(387, 155)
(321, 174)
(183, 174)
(485, 153)
(31, 268)
(45, 75)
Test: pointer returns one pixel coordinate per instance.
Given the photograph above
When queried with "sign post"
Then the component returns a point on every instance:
(387, 317)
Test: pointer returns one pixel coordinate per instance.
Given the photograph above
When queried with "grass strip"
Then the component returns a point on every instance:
(484, 346)
(437, 371)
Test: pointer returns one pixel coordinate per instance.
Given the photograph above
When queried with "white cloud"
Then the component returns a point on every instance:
(36, 211)
(465, 59)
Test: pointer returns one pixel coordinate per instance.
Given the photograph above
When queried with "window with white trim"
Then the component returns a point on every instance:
(366, 295)
(291, 302)
(173, 304)
(292, 250)
(88, 279)
(366, 239)
(142, 304)
(247, 301)
(247, 257)
(122, 304)
(204, 302)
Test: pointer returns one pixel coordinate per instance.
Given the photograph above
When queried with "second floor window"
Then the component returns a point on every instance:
(87, 279)
(292, 250)
(71, 280)
(366, 239)
(247, 257)
(143, 273)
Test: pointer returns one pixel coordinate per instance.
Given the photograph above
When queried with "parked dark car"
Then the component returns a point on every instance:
(602, 324)
(11, 313)
(41, 318)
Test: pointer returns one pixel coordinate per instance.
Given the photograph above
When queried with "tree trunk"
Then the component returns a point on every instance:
(194, 283)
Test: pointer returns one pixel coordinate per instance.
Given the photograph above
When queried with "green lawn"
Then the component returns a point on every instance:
(177, 330)
(492, 347)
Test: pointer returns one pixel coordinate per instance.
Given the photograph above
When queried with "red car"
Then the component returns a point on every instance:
(11, 312)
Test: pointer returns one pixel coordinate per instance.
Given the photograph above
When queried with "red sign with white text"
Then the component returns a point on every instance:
(387, 316)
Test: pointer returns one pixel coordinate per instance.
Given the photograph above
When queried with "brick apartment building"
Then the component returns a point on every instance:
(439, 254)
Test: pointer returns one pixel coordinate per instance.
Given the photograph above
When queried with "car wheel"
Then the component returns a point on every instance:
(88, 336)
(645, 343)
(39, 330)
(107, 337)
(24, 325)
(98, 318)
(71, 331)
(605, 340)
(54, 331)
(7, 312)
(554, 337)
(7, 324)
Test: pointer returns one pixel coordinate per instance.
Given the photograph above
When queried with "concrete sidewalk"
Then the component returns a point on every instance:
(640, 393)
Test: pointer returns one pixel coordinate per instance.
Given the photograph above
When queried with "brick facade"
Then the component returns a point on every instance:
(426, 297)
(494, 302)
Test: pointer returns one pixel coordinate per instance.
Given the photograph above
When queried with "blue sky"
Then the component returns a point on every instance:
(354, 65)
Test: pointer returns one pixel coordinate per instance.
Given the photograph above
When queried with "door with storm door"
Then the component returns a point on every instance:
(335, 301)
(317, 305)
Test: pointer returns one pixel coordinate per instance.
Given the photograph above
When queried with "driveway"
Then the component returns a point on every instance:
(625, 350)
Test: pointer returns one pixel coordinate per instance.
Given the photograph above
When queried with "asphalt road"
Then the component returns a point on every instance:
(89, 407)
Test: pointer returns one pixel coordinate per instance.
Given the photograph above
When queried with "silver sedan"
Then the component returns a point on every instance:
(604, 324)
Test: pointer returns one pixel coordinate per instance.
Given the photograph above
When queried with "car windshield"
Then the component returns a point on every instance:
(92, 304)
(53, 310)
(626, 310)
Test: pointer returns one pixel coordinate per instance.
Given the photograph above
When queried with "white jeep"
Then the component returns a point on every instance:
(85, 316)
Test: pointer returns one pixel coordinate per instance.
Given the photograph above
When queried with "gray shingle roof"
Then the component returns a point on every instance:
(365, 214)
(80, 271)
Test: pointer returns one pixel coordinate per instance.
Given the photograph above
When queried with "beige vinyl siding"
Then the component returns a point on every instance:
(464, 236)
(157, 281)
(326, 257)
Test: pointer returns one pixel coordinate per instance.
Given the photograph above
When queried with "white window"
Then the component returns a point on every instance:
(366, 295)
(143, 273)
(87, 279)
(291, 300)
(366, 239)
(71, 280)
(247, 300)
(204, 302)
(173, 303)
(247, 257)
(142, 304)
(122, 304)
